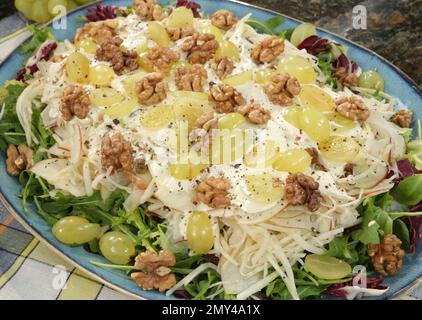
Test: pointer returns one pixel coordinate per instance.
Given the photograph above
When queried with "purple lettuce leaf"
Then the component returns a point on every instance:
(415, 227)
(183, 294)
(314, 45)
(339, 289)
(406, 169)
(190, 5)
(344, 62)
(102, 12)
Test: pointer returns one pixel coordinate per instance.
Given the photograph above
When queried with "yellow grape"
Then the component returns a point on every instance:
(263, 76)
(75, 230)
(101, 75)
(214, 31)
(197, 98)
(326, 267)
(71, 5)
(238, 79)
(293, 160)
(227, 49)
(143, 47)
(314, 97)
(301, 32)
(158, 34)
(199, 232)
(230, 121)
(40, 13)
(145, 64)
(340, 149)
(77, 67)
(291, 115)
(184, 171)
(105, 96)
(298, 67)
(54, 4)
(371, 80)
(340, 123)
(88, 45)
(262, 189)
(158, 117)
(315, 124)
(228, 146)
(130, 82)
(262, 155)
(25, 6)
(122, 109)
(180, 17)
(189, 112)
(117, 247)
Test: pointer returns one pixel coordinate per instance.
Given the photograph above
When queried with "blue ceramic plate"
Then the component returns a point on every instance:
(397, 84)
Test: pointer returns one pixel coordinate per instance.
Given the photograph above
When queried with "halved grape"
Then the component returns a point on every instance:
(158, 34)
(74, 230)
(53, 6)
(262, 155)
(101, 75)
(340, 149)
(238, 79)
(301, 32)
(263, 76)
(371, 80)
(186, 171)
(293, 160)
(189, 112)
(105, 97)
(88, 45)
(40, 13)
(325, 267)
(122, 109)
(227, 49)
(228, 146)
(129, 82)
(230, 120)
(214, 31)
(117, 247)
(315, 124)
(298, 67)
(77, 67)
(158, 117)
(314, 97)
(199, 233)
(291, 115)
(339, 123)
(262, 189)
(180, 17)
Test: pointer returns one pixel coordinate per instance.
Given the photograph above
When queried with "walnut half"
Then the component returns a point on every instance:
(122, 61)
(282, 88)
(352, 108)
(190, 79)
(201, 47)
(226, 98)
(213, 192)
(302, 189)
(268, 50)
(148, 9)
(387, 257)
(161, 58)
(223, 19)
(18, 159)
(255, 113)
(223, 67)
(75, 102)
(152, 89)
(116, 152)
(100, 31)
(155, 273)
(402, 118)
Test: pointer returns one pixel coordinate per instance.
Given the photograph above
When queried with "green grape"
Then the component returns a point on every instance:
(158, 34)
(230, 120)
(262, 189)
(77, 67)
(88, 45)
(339, 149)
(117, 247)
(227, 49)
(101, 75)
(199, 232)
(298, 67)
(105, 96)
(238, 79)
(25, 6)
(371, 80)
(83, 1)
(293, 160)
(180, 17)
(314, 97)
(75, 230)
(40, 12)
(71, 5)
(301, 32)
(185, 171)
(326, 267)
(52, 4)
(315, 124)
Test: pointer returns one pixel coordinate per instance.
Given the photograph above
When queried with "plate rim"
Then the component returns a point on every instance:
(19, 217)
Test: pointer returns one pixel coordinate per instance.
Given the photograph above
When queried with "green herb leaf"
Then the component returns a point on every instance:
(408, 191)
(39, 36)
(401, 230)
(269, 26)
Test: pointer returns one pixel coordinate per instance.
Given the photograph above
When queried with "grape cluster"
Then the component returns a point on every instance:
(42, 11)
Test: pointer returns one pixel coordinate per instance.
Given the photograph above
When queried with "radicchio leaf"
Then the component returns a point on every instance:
(314, 45)
(346, 290)
(43, 53)
(102, 12)
(183, 294)
(343, 61)
(406, 169)
(190, 5)
(415, 228)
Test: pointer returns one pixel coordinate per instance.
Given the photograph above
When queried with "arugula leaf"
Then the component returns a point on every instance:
(286, 33)
(39, 36)
(325, 60)
(269, 26)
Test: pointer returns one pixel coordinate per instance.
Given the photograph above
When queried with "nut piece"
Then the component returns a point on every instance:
(344, 78)
(152, 89)
(313, 152)
(75, 102)
(116, 152)
(223, 67)
(387, 257)
(179, 33)
(213, 191)
(122, 61)
(352, 108)
(255, 113)
(200, 47)
(156, 273)
(226, 98)
(200, 135)
(348, 169)
(100, 31)
(190, 79)
(268, 49)
(402, 118)
(282, 88)
(18, 159)
(223, 19)
(148, 9)
(302, 189)
(161, 58)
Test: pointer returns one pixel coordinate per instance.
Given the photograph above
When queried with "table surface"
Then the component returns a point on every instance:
(29, 270)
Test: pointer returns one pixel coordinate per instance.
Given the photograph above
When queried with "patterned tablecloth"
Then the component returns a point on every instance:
(30, 270)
